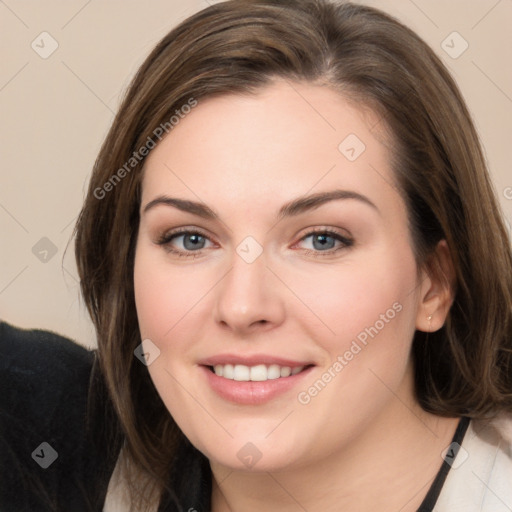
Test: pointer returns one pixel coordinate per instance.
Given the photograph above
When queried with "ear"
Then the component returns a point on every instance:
(437, 289)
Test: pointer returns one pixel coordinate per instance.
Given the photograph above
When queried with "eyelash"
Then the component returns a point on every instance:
(345, 241)
(166, 238)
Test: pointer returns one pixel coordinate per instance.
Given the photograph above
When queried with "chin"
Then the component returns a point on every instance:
(258, 456)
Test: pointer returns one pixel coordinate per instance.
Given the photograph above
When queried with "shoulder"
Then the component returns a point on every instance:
(480, 478)
(47, 457)
(24, 341)
(41, 368)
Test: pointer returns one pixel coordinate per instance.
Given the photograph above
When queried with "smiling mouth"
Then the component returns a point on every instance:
(257, 373)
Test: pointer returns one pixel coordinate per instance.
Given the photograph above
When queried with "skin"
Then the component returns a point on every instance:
(362, 443)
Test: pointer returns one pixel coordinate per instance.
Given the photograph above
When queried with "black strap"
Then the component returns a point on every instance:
(432, 496)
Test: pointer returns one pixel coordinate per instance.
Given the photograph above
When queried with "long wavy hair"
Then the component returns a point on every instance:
(369, 57)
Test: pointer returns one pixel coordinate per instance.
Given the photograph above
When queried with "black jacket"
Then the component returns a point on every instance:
(53, 455)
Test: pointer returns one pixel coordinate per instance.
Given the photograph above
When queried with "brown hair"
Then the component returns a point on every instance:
(237, 47)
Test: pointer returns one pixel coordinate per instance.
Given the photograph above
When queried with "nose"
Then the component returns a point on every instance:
(249, 298)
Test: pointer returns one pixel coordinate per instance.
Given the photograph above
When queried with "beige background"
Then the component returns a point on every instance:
(55, 112)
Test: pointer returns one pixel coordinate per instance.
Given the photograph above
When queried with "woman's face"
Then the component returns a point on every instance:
(274, 249)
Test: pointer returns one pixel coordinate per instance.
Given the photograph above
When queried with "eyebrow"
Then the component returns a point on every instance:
(303, 204)
(199, 209)
(293, 208)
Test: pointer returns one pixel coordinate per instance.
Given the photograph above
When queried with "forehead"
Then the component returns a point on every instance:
(285, 141)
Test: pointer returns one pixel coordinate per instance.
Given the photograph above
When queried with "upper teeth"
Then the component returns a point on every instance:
(260, 372)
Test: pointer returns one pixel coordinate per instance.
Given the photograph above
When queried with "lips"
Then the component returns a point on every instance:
(252, 380)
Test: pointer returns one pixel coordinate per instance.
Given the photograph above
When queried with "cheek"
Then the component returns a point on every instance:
(164, 297)
(360, 299)
(367, 313)
(165, 300)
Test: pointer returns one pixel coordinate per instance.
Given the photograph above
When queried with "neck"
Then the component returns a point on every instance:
(389, 467)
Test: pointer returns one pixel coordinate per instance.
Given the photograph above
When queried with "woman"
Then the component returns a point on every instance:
(298, 273)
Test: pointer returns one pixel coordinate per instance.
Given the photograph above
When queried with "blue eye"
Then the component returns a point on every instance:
(184, 242)
(326, 241)
(323, 242)
(193, 241)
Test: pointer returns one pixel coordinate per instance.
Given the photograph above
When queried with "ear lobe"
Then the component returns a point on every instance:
(437, 291)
